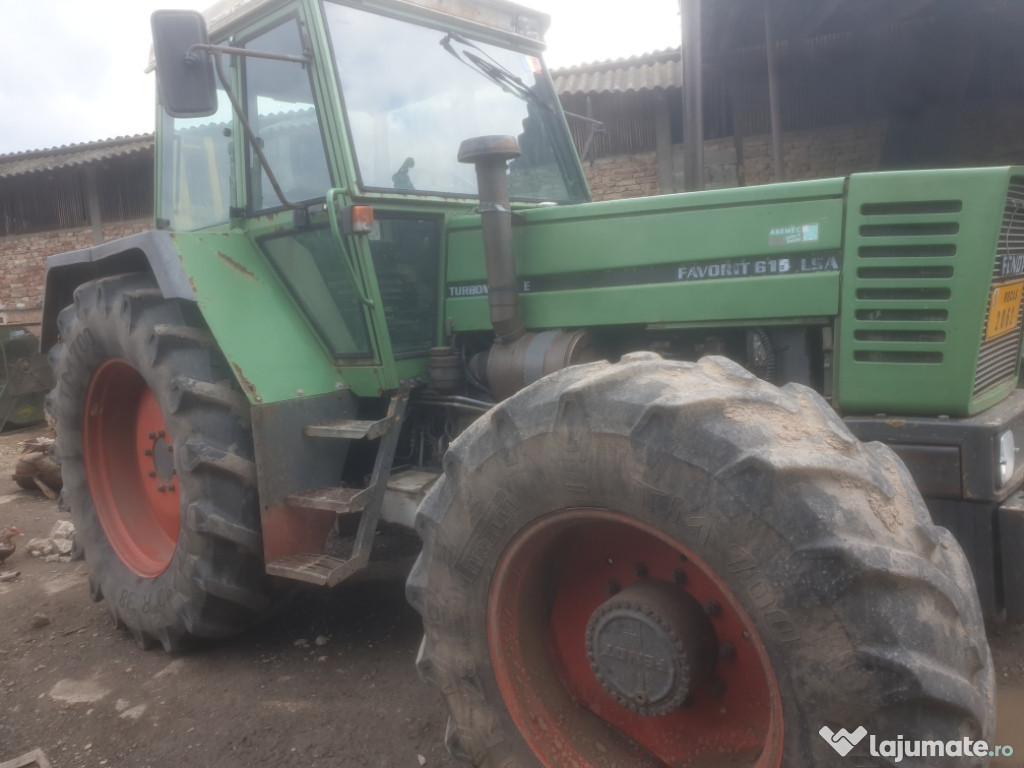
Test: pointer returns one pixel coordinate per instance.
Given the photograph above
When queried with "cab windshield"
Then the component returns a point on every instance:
(412, 94)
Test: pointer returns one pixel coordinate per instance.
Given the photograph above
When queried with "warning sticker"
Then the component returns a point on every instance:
(794, 235)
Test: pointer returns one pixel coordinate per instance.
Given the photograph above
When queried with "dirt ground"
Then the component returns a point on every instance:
(87, 695)
(329, 682)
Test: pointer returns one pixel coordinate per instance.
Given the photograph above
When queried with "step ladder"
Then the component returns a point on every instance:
(326, 570)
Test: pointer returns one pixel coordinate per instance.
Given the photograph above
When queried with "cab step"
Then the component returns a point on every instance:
(351, 429)
(340, 500)
(325, 570)
(322, 570)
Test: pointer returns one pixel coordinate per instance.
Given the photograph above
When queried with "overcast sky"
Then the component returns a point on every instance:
(72, 70)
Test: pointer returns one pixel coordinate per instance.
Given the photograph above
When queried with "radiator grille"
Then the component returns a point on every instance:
(997, 362)
(904, 280)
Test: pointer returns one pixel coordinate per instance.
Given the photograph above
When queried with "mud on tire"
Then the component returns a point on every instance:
(198, 572)
(836, 602)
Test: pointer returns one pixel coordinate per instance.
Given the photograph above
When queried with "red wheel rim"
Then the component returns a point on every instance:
(550, 580)
(129, 464)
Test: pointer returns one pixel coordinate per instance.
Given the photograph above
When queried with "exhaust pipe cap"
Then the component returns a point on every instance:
(482, 149)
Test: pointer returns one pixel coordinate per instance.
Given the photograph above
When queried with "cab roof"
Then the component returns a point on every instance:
(498, 14)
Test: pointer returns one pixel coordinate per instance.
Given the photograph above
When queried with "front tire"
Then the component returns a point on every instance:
(658, 563)
(155, 447)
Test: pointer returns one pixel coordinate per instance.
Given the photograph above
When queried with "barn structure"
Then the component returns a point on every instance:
(799, 89)
(787, 90)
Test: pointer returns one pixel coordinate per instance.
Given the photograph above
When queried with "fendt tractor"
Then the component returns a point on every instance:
(628, 433)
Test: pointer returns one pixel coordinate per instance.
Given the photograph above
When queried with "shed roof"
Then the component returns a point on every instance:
(56, 158)
(651, 71)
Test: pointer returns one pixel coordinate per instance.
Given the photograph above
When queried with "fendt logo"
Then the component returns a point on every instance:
(1013, 264)
(842, 741)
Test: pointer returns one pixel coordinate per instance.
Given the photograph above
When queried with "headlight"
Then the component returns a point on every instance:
(1007, 457)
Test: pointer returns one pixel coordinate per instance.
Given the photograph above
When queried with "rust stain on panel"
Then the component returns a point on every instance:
(235, 265)
(247, 385)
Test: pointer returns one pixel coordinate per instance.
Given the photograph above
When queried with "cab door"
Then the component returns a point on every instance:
(292, 211)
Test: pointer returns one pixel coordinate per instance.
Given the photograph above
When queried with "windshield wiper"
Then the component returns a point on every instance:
(487, 66)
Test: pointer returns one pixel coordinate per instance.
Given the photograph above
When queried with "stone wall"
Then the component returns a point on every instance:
(23, 264)
(621, 176)
(820, 153)
(991, 136)
(812, 154)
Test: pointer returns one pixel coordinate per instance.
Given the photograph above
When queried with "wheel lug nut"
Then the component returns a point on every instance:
(161, 488)
(640, 571)
(727, 651)
(151, 436)
(679, 576)
(712, 608)
(613, 588)
(147, 452)
(160, 433)
(152, 473)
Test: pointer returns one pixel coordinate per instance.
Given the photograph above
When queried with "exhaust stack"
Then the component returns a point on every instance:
(490, 155)
(517, 358)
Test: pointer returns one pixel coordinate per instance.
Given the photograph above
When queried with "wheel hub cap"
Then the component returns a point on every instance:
(650, 646)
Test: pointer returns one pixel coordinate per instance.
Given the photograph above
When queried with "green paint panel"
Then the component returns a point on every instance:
(920, 251)
(755, 253)
(751, 298)
(264, 336)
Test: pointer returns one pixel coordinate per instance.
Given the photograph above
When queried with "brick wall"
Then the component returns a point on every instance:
(23, 264)
(819, 153)
(996, 136)
(621, 176)
(992, 136)
(812, 154)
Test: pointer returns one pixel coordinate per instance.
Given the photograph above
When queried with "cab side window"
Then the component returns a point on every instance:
(279, 98)
(196, 169)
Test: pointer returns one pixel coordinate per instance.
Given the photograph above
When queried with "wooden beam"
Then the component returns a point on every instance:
(774, 88)
(92, 192)
(663, 144)
(737, 130)
(693, 96)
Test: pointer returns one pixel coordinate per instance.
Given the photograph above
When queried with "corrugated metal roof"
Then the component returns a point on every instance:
(651, 71)
(41, 160)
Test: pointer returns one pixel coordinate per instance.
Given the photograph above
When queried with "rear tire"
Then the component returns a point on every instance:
(155, 447)
(832, 598)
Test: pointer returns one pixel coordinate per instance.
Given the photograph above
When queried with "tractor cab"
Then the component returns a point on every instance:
(310, 113)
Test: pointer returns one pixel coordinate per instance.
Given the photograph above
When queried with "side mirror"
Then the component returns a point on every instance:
(184, 77)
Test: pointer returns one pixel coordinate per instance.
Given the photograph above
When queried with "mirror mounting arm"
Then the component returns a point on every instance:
(193, 53)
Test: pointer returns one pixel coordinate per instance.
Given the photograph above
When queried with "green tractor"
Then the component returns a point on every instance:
(377, 295)
(24, 377)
